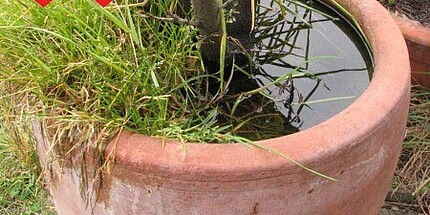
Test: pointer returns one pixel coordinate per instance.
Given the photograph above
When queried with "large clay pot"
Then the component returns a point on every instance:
(417, 38)
(359, 147)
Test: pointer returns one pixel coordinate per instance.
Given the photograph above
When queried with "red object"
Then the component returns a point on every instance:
(417, 38)
(359, 147)
(43, 3)
(103, 3)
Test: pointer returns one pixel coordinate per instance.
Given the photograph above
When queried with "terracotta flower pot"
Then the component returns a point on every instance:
(359, 147)
(417, 38)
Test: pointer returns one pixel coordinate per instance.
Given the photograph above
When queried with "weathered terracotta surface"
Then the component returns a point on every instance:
(359, 147)
(418, 41)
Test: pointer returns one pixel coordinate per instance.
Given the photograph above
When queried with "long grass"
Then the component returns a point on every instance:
(86, 72)
(110, 68)
(102, 70)
(113, 66)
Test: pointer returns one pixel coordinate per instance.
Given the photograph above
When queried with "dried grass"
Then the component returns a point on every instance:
(412, 179)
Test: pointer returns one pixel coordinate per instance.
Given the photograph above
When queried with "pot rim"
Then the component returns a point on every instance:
(413, 30)
(312, 147)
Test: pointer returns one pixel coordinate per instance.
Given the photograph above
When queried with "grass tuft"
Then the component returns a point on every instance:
(85, 64)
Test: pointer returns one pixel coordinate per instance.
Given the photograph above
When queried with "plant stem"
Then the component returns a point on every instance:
(223, 45)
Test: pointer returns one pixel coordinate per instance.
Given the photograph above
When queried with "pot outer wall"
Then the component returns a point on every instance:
(417, 38)
(359, 147)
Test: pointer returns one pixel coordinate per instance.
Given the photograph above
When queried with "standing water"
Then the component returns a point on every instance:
(307, 67)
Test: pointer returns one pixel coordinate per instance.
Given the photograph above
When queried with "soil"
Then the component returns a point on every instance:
(418, 10)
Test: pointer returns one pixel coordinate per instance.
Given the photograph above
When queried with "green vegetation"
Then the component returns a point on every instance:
(87, 68)
(391, 2)
(100, 70)
(87, 72)
(111, 68)
(20, 192)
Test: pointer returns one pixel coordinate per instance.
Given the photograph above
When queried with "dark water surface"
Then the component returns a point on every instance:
(329, 66)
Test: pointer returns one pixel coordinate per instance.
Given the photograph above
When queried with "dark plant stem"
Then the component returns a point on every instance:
(208, 13)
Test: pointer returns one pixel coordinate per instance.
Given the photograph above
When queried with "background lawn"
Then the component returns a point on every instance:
(20, 190)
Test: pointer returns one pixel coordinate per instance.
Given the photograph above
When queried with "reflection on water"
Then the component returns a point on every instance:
(307, 68)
